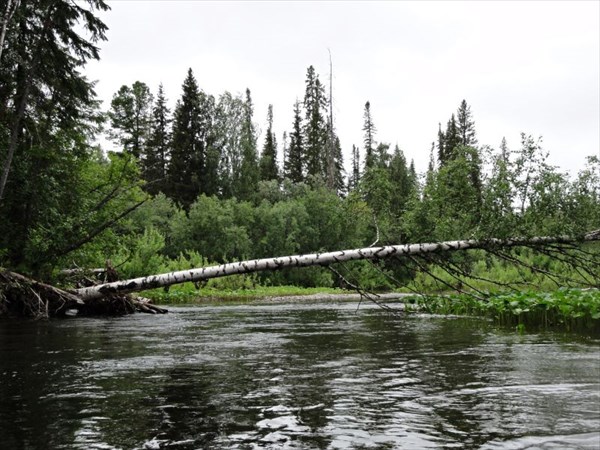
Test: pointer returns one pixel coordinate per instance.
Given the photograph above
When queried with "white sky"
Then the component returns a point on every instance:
(530, 67)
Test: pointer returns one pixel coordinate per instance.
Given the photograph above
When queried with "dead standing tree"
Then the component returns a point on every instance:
(44, 300)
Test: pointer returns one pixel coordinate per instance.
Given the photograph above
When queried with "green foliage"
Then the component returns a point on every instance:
(584, 197)
(490, 274)
(212, 230)
(377, 189)
(48, 116)
(370, 276)
(404, 183)
(161, 214)
(131, 117)
(141, 255)
(570, 309)
(105, 189)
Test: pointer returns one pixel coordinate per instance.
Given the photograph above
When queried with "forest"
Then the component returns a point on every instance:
(199, 185)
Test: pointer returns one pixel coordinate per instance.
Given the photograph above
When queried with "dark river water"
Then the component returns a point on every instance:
(317, 375)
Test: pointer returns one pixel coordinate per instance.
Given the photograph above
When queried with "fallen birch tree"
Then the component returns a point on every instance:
(22, 296)
(318, 259)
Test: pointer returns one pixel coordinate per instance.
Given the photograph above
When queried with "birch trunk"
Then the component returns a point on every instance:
(11, 7)
(316, 259)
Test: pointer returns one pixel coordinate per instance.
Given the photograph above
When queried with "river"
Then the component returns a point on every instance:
(305, 375)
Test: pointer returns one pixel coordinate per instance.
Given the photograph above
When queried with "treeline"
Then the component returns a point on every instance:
(508, 195)
(209, 145)
(195, 185)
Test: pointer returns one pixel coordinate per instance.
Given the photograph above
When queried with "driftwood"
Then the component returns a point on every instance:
(22, 296)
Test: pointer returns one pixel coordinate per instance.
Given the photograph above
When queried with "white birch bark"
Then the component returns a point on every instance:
(11, 7)
(315, 259)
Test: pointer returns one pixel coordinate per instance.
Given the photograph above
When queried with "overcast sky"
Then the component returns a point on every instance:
(530, 67)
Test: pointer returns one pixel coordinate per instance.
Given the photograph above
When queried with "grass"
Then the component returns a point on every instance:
(187, 293)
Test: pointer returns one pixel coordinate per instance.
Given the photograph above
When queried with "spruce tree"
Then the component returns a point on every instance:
(466, 138)
(285, 148)
(369, 136)
(451, 140)
(157, 152)
(249, 170)
(187, 153)
(46, 44)
(315, 128)
(268, 159)
(431, 163)
(355, 176)
(294, 163)
(466, 126)
(504, 151)
(401, 180)
(441, 145)
(412, 173)
(333, 162)
(338, 168)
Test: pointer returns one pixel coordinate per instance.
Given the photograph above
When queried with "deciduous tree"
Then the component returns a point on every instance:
(131, 118)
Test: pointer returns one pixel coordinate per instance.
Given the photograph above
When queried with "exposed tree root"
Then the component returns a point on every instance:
(23, 297)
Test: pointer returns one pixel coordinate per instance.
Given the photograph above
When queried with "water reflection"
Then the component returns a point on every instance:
(311, 375)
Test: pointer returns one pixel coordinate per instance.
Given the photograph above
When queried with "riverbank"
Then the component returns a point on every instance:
(566, 309)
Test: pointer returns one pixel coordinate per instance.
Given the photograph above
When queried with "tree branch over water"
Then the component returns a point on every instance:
(329, 258)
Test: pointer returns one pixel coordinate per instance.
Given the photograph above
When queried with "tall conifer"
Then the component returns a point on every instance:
(268, 159)
(451, 140)
(466, 125)
(369, 136)
(441, 145)
(402, 183)
(187, 154)
(249, 171)
(355, 176)
(156, 155)
(294, 163)
(315, 128)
